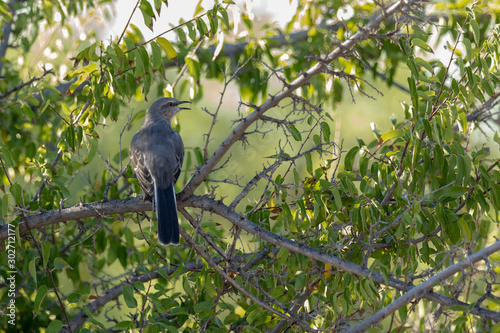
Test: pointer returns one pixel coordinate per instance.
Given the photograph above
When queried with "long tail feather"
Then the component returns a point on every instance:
(166, 213)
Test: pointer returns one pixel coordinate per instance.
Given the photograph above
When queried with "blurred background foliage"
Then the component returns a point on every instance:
(402, 133)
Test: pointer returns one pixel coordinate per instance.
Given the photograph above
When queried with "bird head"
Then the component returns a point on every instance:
(168, 107)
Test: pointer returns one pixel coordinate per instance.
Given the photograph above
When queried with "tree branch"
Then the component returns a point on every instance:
(81, 211)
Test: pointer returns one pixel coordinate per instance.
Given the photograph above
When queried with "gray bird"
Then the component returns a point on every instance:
(157, 153)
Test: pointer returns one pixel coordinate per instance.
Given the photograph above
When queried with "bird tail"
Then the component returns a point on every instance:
(166, 213)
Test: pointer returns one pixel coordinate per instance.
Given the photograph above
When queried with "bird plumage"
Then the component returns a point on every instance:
(157, 153)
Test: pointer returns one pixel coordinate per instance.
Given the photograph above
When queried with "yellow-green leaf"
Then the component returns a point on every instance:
(475, 31)
(167, 47)
(421, 62)
(219, 45)
(465, 229)
(40, 295)
(59, 263)
(420, 43)
(391, 135)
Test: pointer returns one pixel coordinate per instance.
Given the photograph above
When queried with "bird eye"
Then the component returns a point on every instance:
(170, 104)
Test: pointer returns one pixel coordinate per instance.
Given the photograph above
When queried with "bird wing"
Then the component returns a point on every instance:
(179, 155)
(137, 155)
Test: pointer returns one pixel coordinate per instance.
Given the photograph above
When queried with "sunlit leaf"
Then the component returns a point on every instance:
(167, 47)
(421, 44)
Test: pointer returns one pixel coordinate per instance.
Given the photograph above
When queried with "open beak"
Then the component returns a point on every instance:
(183, 102)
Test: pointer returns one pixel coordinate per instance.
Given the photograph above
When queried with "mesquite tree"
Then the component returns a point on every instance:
(284, 226)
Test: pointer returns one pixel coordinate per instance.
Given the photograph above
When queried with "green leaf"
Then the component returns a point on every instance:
(349, 158)
(468, 48)
(158, 6)
(59, 263)
(231, 318)
(423, 95)
(16, 191)
(496, 137)
(187, 287)
(465, 229)
(156, 55)
(60, 185)
(199, 156)
(203, 306)
(70, 136)
(128, 296)
(32, 269)
(463, 123)
(40, 295)
(326, 131)
(115, 110)
(484, 66)
(391, 135)
(92, 144)
(202, 27)
(452, 191)
(46, 246)
(252, 316)
(167, 47)
(7, 156)
(5, 204)
(495, 196)
(475, 31)
(213, 20)
(295, 133)
(182, 35)
(139, 65)
(191, 31)
(421, 62)
(487, 87)
(309, 164)
(54, 326)
(225, 17)
(194, 66)
(143, 53)
(414, 96)
(300, 281)
(412, 65)
(420, 43)
(125, 325)
(147, 13)
(74, 297)
(337, 198)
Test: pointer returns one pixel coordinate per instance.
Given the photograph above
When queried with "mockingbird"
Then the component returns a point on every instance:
(157, 153)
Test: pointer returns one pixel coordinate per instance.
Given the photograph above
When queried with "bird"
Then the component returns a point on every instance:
(157, 153)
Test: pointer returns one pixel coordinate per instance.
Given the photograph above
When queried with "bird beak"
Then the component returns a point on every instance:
(183, 102)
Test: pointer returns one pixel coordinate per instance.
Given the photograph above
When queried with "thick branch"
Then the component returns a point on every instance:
(80, 211)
